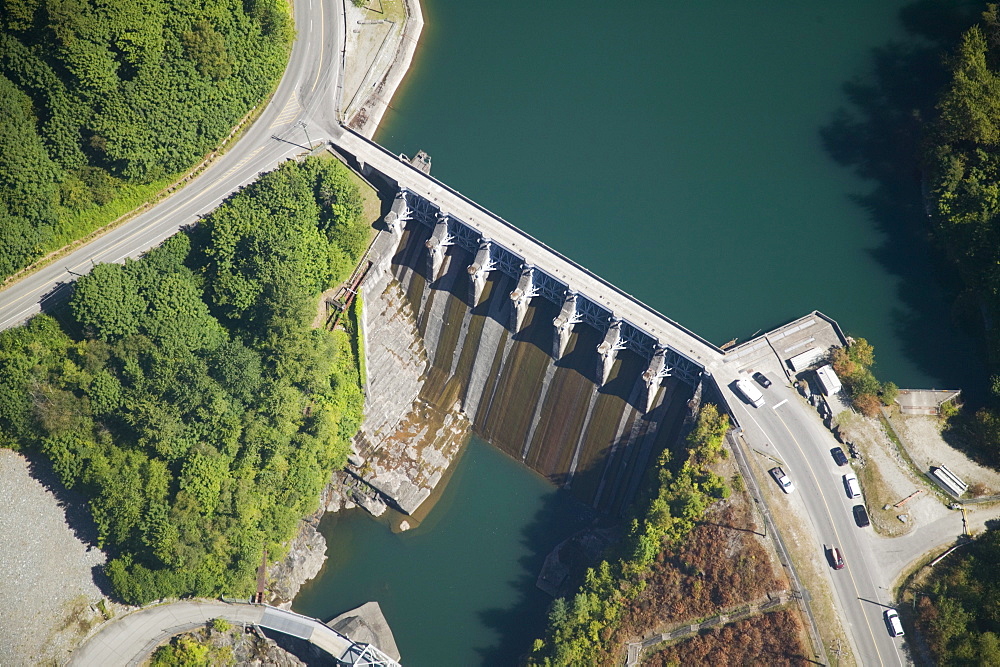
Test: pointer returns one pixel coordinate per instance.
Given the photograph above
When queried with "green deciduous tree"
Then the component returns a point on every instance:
(207, 48)
(970, 107)
(107, 303)
(198, 441)
(94, 93)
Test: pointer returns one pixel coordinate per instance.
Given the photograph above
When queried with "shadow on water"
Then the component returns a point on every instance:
(879, 138)
(519, 624)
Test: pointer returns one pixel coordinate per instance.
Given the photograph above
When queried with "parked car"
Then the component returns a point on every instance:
(861, 516)
(836, 558)
(762, 380)
(839, 456)
(892, 623)
(783, 480)
(851, 486)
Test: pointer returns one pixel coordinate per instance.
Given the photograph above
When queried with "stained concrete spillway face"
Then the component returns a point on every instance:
(598, 441)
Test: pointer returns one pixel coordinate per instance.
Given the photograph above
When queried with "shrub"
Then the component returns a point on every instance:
(889, 392)
(868, 404)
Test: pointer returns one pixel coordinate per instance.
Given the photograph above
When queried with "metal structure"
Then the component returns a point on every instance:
(366, 655)
(575, 307)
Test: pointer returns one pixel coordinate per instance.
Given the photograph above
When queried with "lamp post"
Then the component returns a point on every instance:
(302, 124)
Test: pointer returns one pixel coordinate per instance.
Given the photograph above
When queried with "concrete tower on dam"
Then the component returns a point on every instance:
(545, 360)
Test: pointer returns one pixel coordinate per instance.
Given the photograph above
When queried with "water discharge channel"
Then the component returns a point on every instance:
(675, 151)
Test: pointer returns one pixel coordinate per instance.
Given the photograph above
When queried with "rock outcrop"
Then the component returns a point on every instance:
(305, 559)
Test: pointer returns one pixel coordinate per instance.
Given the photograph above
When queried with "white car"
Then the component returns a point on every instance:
(783, 480)
(892, 623)
(851, 486)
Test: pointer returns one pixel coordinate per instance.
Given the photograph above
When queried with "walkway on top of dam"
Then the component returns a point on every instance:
(534, 253)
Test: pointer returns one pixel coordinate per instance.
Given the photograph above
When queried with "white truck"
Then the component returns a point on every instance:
(783, 480)
(750, 392)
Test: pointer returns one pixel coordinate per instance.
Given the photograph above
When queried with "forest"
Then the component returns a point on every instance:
(958, 610)
(770, 639)
(104, 102)
(188, 396)
(962, 177)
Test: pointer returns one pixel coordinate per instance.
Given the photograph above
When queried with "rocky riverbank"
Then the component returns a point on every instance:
(378, 52)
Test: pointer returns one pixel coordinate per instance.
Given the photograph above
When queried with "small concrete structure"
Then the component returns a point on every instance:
(657, 370)
(828, 380)
(522, 296)
(563, 323)
(608, 350)
(367, 625)
(804, 360)
(479, 271)
(437, 246)
(924, 401)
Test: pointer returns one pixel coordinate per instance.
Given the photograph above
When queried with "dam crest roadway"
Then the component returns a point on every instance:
(432, 235)
(669, 349)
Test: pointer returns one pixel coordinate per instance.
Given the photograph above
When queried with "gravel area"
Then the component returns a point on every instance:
(921, 435)
(891, 481)
(47, 571)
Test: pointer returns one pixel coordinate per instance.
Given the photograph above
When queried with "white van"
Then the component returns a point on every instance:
(750, 392)
(851, 486)
(892, 623)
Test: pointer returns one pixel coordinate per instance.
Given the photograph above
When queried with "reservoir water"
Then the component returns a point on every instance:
(684, 152)
(460, 588)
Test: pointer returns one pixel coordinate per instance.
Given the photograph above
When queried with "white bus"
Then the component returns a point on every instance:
(950, 480)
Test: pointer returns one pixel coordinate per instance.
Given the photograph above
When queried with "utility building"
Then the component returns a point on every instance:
(828, 380)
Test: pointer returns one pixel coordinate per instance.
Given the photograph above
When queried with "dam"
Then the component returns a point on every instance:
(545, 360)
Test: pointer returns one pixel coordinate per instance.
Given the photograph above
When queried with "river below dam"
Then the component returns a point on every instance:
(684, 152)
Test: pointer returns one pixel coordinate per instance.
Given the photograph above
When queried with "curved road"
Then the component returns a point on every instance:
(132, 637)
(307, 93)
(129, 639)
(788, 430)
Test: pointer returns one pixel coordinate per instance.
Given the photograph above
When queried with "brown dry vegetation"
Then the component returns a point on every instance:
(771, 639)
(721, 564)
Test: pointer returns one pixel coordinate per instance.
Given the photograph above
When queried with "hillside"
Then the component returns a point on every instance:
(104, 101)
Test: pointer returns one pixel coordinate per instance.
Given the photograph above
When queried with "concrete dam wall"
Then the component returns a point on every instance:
(549, 410)
(508, 338)
(536, 354)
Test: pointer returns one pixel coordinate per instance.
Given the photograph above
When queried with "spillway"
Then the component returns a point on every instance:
(553, 414)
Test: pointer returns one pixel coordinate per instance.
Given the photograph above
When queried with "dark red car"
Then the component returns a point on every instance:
(836, 558)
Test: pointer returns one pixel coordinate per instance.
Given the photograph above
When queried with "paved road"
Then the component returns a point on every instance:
(128, 640)
(790, 431)
(306, 93)
(130, 637)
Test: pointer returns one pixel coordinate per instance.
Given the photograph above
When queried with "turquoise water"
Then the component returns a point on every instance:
(458, 589)
(676, 149)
